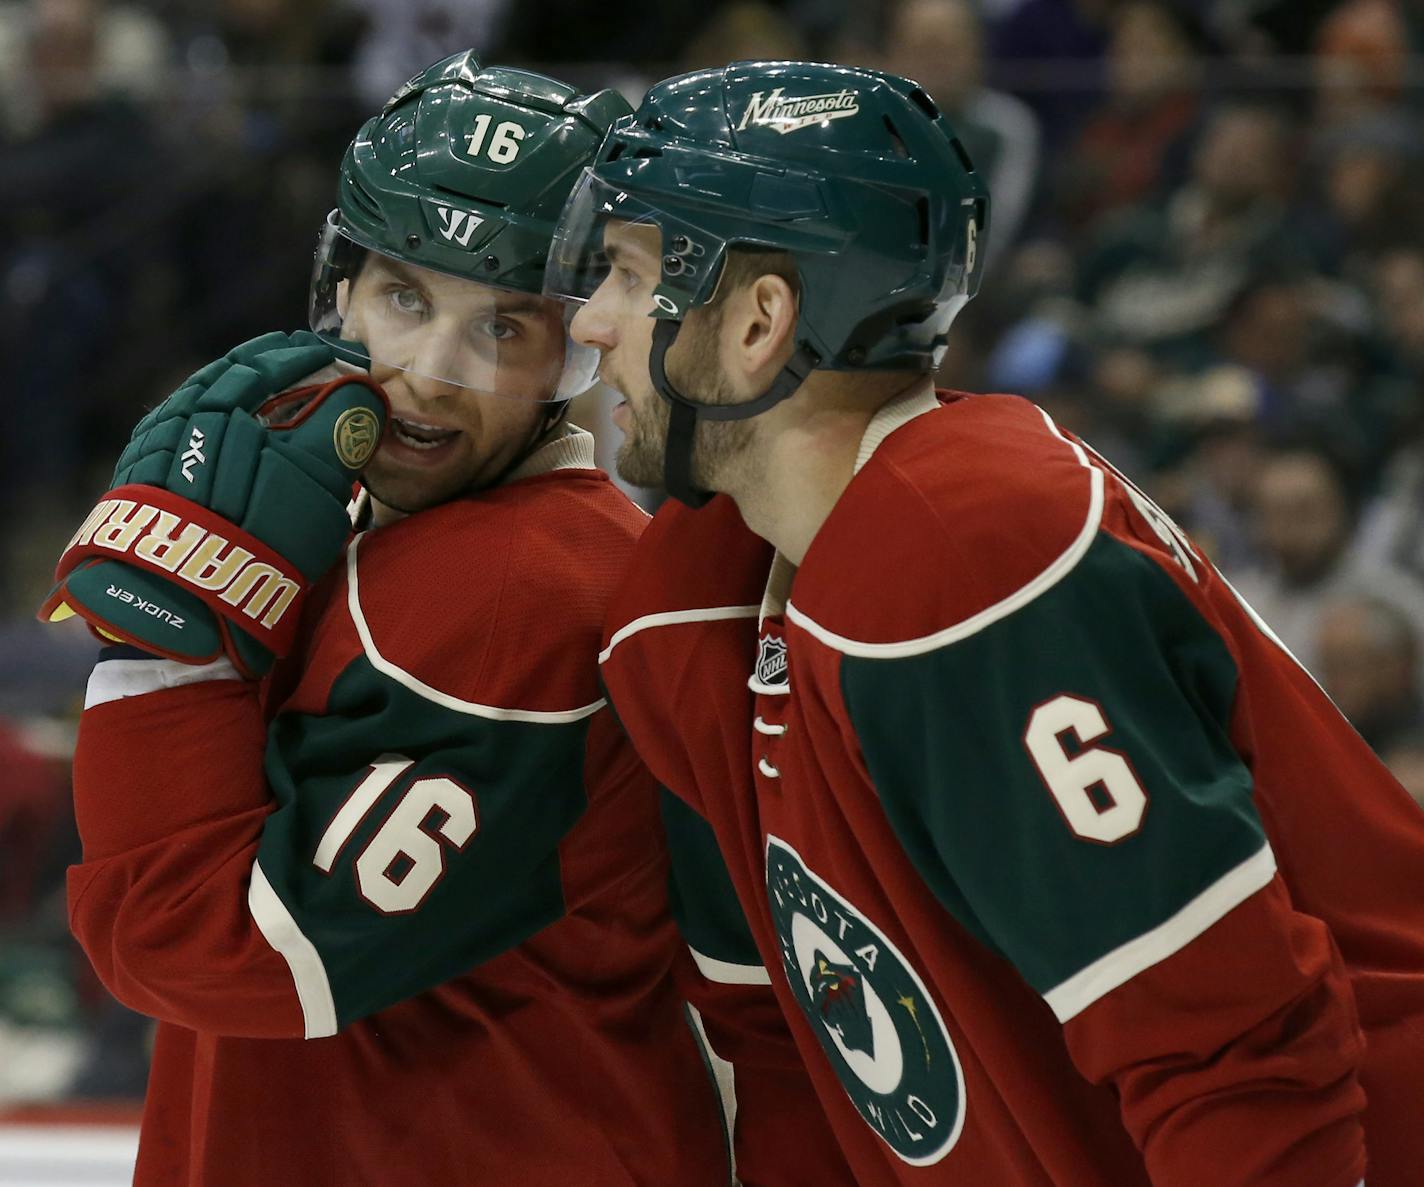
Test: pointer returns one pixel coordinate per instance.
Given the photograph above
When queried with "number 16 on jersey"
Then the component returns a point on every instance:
(405, 858)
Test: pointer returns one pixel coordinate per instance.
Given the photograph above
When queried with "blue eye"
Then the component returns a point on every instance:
(407, 300)
(499, 329)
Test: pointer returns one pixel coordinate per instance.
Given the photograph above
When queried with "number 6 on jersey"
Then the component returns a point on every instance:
(1096, 789)
(401, 864)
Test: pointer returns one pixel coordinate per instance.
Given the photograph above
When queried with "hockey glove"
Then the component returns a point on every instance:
(228, 504)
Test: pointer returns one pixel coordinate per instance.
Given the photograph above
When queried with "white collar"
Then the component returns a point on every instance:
(896, 414)
(572, 449)
(778, 589)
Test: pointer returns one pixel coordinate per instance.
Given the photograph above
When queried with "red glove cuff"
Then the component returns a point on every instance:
(236, 576)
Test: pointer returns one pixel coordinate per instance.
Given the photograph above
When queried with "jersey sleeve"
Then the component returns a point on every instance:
(1064, 779)
(170, 801)
(780, 1135)
(378, 881)
(394, 823)
(263, 886)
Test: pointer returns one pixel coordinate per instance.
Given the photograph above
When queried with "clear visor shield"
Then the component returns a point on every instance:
(608, 236)
(445, 328)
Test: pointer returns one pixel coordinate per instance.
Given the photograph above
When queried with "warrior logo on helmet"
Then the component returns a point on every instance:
(869, 1008)
(458, 225)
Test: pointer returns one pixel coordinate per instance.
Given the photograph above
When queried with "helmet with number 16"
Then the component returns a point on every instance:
(433, 261)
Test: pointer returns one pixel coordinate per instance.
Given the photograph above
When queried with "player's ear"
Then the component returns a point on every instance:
(766, 324)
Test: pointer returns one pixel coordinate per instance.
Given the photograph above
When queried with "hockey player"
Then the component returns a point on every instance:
(1064, 871)
(426, 789)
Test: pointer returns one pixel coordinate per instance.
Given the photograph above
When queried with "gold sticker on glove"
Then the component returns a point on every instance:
(356, 436)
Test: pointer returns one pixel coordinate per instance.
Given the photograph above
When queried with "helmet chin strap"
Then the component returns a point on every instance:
(685, 412)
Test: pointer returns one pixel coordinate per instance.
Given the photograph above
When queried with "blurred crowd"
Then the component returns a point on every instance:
(1206, 257)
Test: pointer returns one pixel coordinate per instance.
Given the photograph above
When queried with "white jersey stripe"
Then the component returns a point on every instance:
(1119, 966)
(672, 618)
(114, 679)
(276, 924)
(724, 1075)
(724, 972)
(444, 699)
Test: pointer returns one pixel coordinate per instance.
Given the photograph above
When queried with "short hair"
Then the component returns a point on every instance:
(744, 263)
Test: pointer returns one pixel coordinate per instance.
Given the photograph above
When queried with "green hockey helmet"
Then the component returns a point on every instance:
(462, 175)
(854, 173)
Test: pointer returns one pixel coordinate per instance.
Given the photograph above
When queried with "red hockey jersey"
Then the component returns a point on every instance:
(434, 794)
(1067, 873)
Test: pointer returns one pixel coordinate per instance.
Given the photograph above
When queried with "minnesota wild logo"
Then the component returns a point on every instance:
(869, 1008)
(836, 993)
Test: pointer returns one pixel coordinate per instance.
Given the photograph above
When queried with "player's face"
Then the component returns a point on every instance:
(463, 365)
(617, 320)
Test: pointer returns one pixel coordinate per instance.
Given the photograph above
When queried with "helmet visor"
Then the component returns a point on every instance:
(445, 328)
(603, 226)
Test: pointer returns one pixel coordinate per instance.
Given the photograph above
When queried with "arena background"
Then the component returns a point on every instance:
(1206, 256)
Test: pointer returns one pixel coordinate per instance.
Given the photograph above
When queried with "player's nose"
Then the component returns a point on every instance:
(592, 325)
(423, 388)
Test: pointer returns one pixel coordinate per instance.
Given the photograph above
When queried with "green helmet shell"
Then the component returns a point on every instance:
(467, 168)
(853, 172)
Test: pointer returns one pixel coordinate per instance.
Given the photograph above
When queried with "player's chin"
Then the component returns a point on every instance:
(639, 464)
(408, 491)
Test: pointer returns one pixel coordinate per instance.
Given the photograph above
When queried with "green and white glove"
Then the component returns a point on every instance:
(229, 502)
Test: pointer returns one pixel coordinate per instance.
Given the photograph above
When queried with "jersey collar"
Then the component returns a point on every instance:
(572, 449)
(778, 589)
(894, 415)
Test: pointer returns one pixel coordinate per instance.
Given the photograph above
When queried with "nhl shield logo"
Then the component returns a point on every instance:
(875, 1021)
(771, 668)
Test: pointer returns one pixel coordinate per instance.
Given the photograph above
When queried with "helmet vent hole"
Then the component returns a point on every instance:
(896, 140)
(962, 155)
(645, 153)
(364, 199)
(466, 197)
(921, 99)
(616, 151)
